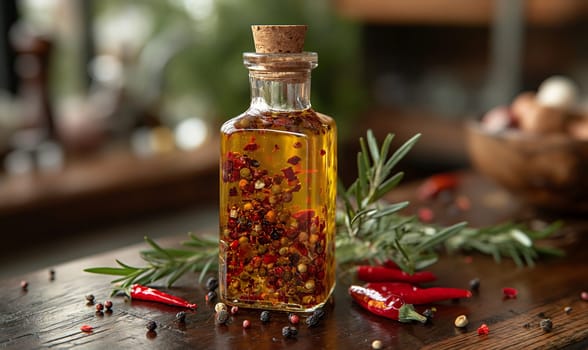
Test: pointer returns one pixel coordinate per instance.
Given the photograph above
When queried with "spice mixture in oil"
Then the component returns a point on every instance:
(277, 213)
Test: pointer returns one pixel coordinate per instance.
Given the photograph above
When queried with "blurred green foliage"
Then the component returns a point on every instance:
(210, 68)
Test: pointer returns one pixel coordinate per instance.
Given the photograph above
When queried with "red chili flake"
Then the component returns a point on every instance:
(509, 293)
(483, 329)
(289, 173)
(86, 328)
(294, 160)
(323, 152)
(233, 191)
(297, 145)
(426, 214)
(251, 147)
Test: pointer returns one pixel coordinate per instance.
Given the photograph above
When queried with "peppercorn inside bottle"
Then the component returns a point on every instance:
(277, 191)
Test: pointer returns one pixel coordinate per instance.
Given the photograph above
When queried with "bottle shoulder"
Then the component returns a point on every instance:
(305, 121)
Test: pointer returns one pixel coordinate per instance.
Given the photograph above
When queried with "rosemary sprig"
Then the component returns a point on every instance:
(164, 263)
(368, 229)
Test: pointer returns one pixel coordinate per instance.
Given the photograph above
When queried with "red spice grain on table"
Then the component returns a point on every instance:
(509, 293)
(86, 328)
(389, 306)
(483, 329)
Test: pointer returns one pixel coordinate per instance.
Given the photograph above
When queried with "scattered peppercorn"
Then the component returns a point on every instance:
(475, 284)
(312, 321)
(527, 325)
(210, 296)
(86, 328)
(428, 313)
(151, 326)
(234, 310)
(90, 298)
(461, 321)
(265, 316)
(99, 307)
(568, 309)
(377, 344)
(320, 313)
(108, 304)
(246, 324)
(546, 324)
(51, 275)
(293, 318)
(212, 283)
(222, 317)
(24, 284)
(181, 317)
(584, 296)
(483, 329)
(289, 332)
(220, 306)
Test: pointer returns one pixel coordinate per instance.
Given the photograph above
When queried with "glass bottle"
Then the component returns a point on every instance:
(277, 188)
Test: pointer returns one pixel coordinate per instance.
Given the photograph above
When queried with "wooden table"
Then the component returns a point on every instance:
(50, 313)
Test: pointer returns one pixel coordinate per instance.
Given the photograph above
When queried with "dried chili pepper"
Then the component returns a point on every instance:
(368, 273)
(139, 292)
(389, 306)
(415, 295)
(435, 184)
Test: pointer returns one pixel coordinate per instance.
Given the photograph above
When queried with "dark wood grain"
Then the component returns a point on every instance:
(50, 313)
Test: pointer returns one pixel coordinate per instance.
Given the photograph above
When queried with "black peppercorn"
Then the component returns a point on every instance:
(312, 320)
(265, 316)
(181, 316)
(151, 325)
(428, 313)
(289, 332)
(210, 296)
(546, 325)
(90, 298)
(320, 313)
(51, 275)
(475, 284)
(212, 283)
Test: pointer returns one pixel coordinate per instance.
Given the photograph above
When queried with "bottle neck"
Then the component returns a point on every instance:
(279, 94)
(280, 82)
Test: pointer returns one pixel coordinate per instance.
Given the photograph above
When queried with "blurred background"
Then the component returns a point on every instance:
(109, 110)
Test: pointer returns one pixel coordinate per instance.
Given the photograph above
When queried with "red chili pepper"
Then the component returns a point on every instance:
(390, 306)
(415, 295)
(368, 273)
(435, 184)
(140, 292)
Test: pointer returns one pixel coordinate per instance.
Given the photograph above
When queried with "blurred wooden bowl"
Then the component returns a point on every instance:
(545, 171)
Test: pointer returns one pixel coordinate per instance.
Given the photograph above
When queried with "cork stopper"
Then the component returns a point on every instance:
(278, 38)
